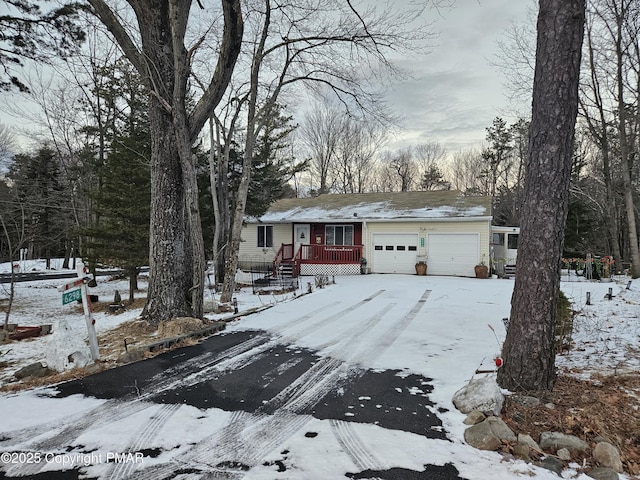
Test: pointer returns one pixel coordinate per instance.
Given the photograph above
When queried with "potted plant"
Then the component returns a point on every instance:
(482, 271)
(421, 265)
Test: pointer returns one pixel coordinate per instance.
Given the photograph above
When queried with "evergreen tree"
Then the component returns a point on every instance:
(36, 180)
(28, 32)
(120, 233)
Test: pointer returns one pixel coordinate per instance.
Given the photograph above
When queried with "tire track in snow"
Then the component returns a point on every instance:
(386, 339)
(201, 366)
(109, 412)
(247, 438)
(345, 338)
(248, 443)
(354, 447)
(308, 326)
(141, 439)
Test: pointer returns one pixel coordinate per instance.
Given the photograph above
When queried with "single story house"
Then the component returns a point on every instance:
(338, 234)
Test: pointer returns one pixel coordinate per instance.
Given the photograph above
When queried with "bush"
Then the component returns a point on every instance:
(564, 323)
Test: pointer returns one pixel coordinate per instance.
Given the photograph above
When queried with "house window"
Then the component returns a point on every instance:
(265, 236)
(512, 242)
(498, 239)
(339, 234)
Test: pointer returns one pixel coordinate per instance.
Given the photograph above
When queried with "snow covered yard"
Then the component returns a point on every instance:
(445, 337)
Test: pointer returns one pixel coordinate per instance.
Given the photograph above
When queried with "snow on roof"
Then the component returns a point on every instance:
(378, 206)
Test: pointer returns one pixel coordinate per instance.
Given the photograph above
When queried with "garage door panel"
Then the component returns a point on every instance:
(453, 254)
(394, 253)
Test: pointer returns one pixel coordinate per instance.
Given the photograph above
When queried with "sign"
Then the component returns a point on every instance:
(71, 296)
(71, 293)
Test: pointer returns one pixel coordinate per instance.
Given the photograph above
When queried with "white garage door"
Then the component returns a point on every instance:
(453, 254)
(395, 253)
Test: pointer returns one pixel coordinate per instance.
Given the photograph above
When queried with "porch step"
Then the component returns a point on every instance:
(509, 270)
(285, 270)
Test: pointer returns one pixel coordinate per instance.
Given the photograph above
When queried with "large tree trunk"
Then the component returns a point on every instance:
(528, 351)
(169, 260)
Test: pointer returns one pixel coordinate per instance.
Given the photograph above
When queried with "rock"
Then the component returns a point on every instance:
(608, 456)
(600, 438)
(527, 440)
(132, 355)
(603, 473)
(36, 370)
(474, 417)
(93, 368)
(551, 463)
(556, 440)
(564, 454)
(489, 434)
(525, 401)
(480, 394)
(501, 429)
(521, 452)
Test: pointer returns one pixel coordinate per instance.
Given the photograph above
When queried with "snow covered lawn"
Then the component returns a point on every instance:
(444, 329)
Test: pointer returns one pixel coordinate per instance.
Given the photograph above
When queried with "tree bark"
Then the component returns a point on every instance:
(177, 262)
(528, 350)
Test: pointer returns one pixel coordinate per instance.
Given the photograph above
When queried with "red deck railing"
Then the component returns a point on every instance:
(339, 254)
(329, 254)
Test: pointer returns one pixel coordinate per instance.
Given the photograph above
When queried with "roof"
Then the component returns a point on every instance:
(378, 206)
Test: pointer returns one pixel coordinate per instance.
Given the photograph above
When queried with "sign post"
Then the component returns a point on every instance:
(71, 293)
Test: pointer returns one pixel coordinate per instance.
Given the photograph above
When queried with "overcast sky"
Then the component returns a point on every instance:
(456, 92)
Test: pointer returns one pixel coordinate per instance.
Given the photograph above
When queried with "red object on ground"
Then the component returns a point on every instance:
(25, 332)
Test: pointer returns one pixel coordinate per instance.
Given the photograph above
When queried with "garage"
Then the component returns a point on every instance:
(395, 252)
(453, 253)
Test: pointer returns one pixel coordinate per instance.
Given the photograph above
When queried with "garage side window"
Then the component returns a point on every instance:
(265, 236)
(339, 234)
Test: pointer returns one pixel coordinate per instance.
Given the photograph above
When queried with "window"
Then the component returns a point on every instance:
(339, 234)
(265, 236)
(512, 241)
(498, 239)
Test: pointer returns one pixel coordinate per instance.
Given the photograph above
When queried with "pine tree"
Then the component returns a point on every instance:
(119, 235)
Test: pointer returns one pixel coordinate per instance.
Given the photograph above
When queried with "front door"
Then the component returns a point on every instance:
(301, 233)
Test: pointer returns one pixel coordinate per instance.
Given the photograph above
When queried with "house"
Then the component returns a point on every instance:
(333, 233)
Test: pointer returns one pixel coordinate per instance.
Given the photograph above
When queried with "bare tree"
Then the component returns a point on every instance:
(320, 132)
(464, 172)
(528, 350)
(158, 51)
(403, 164)
(292, 48)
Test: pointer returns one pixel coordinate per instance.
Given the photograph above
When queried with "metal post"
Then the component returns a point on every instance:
(610, 294)
(588, 298)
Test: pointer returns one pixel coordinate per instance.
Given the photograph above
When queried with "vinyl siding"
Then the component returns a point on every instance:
(423, 229)
(249, 249)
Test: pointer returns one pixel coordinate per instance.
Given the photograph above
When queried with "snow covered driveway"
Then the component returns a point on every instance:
(352, 381)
